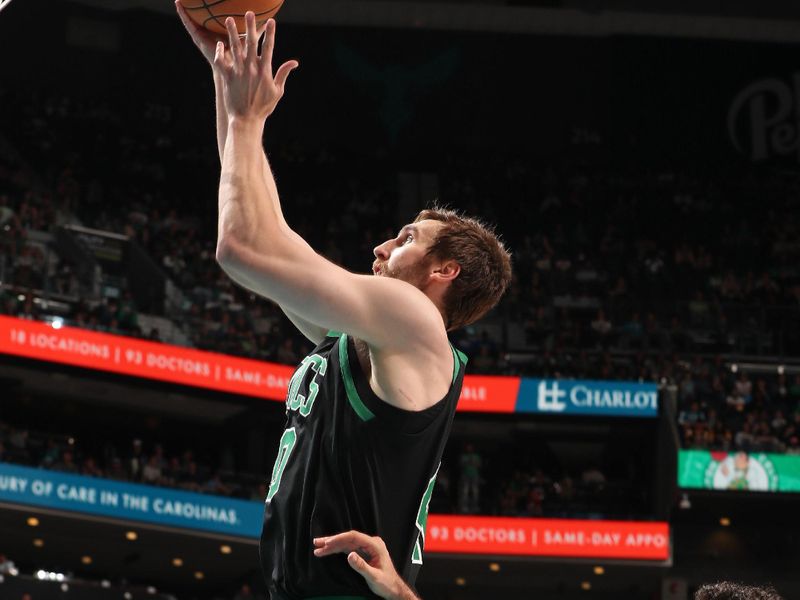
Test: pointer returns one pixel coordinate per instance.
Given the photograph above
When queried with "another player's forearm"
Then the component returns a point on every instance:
(403, 593)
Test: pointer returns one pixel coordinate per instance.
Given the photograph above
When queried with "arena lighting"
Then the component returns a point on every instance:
(131, 535)
(33, 521)
(151, 589)
(50, 575)
(685, 503)
(57, 323)
(725, 521)
(734, 368)
(781, 369)
(64, 587)
(177, 562)
(198, 575)
(598, 570)
(87, 560)
(127, 596)
(586, 586)
(460, 581)
(38, 542)
(225, 549)
(494, 567)
(105, 583)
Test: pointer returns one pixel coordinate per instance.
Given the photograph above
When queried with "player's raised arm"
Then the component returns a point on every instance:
(206, 41)
(259, 253)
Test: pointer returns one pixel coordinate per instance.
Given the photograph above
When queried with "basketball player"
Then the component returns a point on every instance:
(370, 409)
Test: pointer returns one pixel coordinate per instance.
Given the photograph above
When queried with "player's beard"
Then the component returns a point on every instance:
(415, 274)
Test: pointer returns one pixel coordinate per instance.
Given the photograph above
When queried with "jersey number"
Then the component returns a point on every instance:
(288, 440)
(296, 402)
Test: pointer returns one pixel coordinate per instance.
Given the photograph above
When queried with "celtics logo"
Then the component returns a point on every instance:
(741, 471)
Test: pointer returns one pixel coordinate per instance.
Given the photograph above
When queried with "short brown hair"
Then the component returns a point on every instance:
(485, 265)
(727, 590)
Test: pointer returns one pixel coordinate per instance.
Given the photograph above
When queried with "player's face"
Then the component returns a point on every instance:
(405, 256)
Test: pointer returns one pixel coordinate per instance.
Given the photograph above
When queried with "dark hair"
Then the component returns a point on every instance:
(485, 265)
(726, 590)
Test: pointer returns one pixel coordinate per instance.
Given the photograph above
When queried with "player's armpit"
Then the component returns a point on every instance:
(382, 311)
(313, 333)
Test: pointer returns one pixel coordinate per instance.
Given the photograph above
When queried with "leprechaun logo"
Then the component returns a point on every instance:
(741, 471)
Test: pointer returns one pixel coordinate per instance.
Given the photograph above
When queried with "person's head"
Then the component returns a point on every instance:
(726, 590)
(457, 261)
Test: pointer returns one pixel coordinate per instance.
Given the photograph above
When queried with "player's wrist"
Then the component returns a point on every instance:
(401, 591)
(245, 123)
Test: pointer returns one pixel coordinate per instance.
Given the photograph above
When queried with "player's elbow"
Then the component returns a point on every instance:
(226, 254)
(231, 256)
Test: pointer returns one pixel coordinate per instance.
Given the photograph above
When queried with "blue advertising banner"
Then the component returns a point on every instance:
(130, 501)
(585, 397)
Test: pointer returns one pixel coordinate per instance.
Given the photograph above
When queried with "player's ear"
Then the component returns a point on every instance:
(446, 270)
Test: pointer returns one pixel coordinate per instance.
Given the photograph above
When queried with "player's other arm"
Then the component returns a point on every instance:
(206, 41)
(258, 251)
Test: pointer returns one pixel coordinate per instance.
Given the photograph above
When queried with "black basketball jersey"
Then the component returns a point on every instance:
(347, 460)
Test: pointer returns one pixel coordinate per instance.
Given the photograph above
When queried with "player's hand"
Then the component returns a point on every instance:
(369, 557)
(204, 39)
(251, 90)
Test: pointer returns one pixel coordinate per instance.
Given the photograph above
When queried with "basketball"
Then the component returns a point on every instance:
(212, 15)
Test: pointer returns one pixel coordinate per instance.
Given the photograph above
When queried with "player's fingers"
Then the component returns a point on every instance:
(187, 22)
(283, 72)
(269, 45)
(342, 542)
(360, 566)
(233, 40)
(220, 60)
(251, 35)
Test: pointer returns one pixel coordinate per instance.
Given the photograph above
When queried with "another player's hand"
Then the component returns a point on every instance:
(370, 558)
(251, 90)
(204, 39)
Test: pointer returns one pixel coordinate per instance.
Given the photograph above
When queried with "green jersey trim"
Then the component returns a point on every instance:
(358, 405)
(461, 355)
(333, 333)
(455, 364)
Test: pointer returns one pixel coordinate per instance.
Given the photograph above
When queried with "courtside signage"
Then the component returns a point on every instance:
(738, 471)
(570, 538)
(129, 501)
(151, 360)
(582, 397)
(210, 370)
(453, 534)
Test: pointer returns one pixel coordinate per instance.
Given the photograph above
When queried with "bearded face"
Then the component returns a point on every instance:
(415, 274)
(405, 257)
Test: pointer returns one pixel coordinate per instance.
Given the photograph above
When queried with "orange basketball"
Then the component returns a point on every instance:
(211, 14)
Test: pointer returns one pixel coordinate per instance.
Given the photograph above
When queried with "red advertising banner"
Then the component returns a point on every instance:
(489, 393)
(163, 362)
(571, 538)
(151, 360)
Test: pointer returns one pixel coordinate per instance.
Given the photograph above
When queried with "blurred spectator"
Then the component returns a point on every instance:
(244, 593)
(7, 566)
(469, 484)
